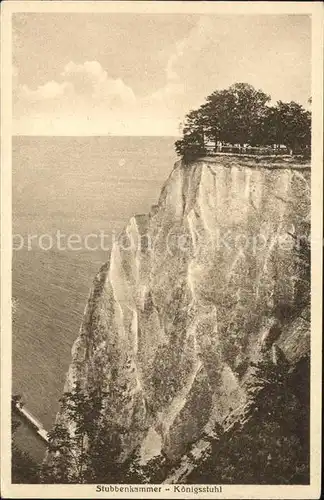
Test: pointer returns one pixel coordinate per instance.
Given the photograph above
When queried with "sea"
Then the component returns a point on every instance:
(67, 191)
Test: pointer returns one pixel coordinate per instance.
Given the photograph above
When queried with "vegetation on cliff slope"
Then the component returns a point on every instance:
(271, 446)
(87, 449)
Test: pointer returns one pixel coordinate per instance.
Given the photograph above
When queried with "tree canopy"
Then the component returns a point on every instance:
(86, 448)
(242, 115)
(271, 443)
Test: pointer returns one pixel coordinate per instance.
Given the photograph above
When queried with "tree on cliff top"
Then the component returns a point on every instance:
(241, 115)
(193, 143)
(234, 115)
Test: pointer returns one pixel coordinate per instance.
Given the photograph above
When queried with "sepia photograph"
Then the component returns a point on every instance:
(161, 239)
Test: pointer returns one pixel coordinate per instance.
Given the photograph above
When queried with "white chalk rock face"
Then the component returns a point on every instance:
(191, 294)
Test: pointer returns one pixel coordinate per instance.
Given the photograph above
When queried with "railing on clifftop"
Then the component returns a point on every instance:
(251, 150)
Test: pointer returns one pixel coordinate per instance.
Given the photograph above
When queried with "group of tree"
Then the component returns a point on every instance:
(84, 446)
(87, 448)
(243, 115)
(271, 444)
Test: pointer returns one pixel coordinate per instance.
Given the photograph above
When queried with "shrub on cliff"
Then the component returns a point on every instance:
(191, 146)
(153, 471)
(271, 446)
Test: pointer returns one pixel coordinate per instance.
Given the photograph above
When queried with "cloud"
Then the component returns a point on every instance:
(199, 36)
(50, 90)
(84, 100)
(90, 79)
(167, 96)
(88, 82)
(158, 79)
(173, 99)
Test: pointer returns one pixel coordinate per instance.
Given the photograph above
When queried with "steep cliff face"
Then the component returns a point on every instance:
(192, 293)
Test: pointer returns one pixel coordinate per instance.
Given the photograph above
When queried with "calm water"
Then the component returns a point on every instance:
(78, 186)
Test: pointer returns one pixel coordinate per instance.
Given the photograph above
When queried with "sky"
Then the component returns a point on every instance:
(139, 74)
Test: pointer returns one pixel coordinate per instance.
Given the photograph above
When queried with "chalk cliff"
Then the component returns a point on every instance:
(193, 292)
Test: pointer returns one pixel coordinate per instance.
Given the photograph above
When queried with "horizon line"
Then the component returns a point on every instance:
(96, 135)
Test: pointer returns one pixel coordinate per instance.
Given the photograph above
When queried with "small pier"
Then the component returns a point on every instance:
(28, 418)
